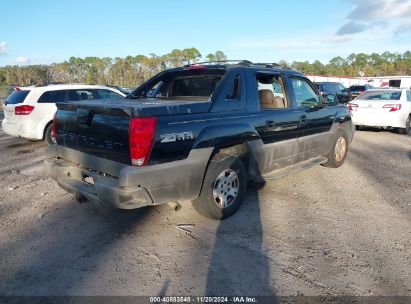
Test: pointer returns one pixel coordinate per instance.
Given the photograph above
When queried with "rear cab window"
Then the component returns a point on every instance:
(17, 96)
(191, 85)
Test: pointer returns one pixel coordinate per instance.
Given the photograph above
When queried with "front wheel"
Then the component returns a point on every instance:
(338, 153)
(406, 130)
(223, 188)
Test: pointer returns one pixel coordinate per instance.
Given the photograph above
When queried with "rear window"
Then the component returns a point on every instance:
(190, 85)
(380, 95)
(196, 86)
(17, 97)
(357, 88)
(329, 87)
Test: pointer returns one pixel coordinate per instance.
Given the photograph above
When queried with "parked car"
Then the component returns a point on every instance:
(29, 111)
(387, 108)
(356, 90)
(341, 93)
(198, 133)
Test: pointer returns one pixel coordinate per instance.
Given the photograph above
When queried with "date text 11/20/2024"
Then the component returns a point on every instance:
(239, 299)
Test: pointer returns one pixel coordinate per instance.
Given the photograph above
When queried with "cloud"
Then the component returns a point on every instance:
(23, 60)
(377, 10)
(3, 47)
(403, 28)
(351, 27)
(375, 14)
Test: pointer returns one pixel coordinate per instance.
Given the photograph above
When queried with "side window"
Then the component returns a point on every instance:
(52, 97)
(305, 95)
(409, 95)
(342, 88)
(235, 90)
(271, 92)
(77, 95)
(104, 94)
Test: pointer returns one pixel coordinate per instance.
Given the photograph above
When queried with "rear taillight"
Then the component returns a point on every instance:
(362, 91)
(54, 129)
(23, 110)
(392, 107)
(141, 137)
(352, 106)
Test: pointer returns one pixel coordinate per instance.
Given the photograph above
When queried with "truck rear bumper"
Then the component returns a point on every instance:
(131, 187)
(104, 190)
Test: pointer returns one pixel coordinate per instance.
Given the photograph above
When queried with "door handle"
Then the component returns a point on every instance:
(303, 118)
(270, 123)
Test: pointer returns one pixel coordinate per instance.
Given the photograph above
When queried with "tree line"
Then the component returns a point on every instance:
(133, 70)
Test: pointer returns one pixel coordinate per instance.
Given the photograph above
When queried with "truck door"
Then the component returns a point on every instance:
(315, 119)
(279, 127)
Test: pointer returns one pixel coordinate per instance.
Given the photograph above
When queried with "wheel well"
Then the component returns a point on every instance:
(45, 128)
(241, 151)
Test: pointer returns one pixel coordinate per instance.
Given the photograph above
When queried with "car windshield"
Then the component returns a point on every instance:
(380, 95)
(181, 85)
(17, 97)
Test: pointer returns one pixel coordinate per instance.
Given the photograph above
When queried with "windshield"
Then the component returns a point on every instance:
(181, 85)
(380, 95)
(17, 97)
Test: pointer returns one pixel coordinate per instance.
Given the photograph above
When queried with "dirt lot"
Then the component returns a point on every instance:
(319, 232)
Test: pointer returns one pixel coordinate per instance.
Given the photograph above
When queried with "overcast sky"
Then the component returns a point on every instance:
(33, 32)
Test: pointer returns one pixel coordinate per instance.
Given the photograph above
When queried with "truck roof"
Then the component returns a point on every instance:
(229, 64)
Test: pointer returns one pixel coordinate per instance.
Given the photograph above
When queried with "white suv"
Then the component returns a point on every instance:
(29, 111)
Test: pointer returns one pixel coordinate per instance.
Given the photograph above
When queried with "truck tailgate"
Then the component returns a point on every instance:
(101, 132)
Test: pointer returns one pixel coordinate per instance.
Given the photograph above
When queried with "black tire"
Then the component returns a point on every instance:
(336, 157)
(48, 135)
(406, 130)
(221, 167)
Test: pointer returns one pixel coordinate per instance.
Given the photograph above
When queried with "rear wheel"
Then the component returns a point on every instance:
(223, 189)
(338, 153)
(48, 135)
(406, 130)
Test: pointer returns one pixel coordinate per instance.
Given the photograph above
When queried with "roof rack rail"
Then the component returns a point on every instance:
(239, 62)
(242, 62)
(274, 65)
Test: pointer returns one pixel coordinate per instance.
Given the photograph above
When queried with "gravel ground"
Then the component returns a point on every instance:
(323, 231)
